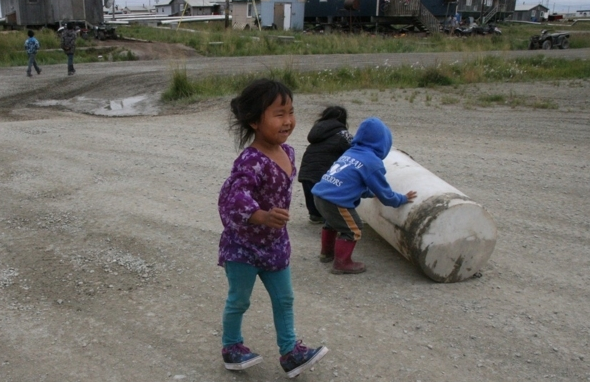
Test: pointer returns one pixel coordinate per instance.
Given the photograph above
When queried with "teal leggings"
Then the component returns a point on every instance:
(241, 278)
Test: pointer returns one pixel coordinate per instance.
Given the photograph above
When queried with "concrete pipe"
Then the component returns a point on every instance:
(449, 236)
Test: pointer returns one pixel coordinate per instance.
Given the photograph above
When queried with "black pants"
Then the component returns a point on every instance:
(309, 203)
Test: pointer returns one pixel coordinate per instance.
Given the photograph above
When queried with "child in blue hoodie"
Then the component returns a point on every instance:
(358, 173)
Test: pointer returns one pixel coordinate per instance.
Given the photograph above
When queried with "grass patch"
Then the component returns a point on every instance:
(12, 52)
(486, 70)
(449, 100)
(254, 43)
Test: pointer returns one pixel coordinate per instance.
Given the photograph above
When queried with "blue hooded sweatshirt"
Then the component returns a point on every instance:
(359, 172)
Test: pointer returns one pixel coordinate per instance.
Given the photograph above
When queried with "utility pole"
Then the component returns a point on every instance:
(227, 14)
(481, 14)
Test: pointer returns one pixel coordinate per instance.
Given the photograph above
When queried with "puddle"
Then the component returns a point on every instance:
(123, 107)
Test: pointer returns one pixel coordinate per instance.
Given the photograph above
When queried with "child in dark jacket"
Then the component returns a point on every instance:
(358, 173)
(328, 139)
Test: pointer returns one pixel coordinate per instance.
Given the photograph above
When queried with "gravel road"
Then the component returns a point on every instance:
(109, 232)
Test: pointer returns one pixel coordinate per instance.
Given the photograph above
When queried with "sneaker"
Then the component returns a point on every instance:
(29, 75)
(301, 358)
(313, 219)
(39, 72)
(239, 357)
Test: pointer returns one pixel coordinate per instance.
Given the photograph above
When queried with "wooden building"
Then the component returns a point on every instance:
(531, 12)
(38, 13)
(170, 8)
(244, 14)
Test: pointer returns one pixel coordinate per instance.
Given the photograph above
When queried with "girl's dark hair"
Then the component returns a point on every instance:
(334, 112)
(250, 105)
(30, 33)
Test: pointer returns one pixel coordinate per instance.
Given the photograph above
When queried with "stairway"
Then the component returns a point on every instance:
(412, 11)
(488, 16)
(426, 22)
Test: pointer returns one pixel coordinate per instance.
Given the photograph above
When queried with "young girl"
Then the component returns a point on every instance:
(254, 208)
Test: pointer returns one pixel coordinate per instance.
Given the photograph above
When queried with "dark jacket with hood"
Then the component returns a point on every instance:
(328, 140)
(68, 41)
(359, 172)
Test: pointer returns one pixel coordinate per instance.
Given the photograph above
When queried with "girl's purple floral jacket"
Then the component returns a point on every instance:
(256, 182)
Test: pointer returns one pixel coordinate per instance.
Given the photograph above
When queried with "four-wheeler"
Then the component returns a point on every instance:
(103, 31)
(548, 40)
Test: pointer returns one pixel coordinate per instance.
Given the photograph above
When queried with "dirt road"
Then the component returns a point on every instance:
(109, 232)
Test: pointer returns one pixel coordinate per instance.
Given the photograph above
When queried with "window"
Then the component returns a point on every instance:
(250, 10)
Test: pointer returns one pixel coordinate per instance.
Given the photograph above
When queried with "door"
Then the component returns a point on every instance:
(279, 15)
(287, 18)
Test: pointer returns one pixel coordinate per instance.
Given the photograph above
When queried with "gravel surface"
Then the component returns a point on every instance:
(109, 233)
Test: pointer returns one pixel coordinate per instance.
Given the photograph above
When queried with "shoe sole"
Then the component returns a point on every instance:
(243, 365)
(351, 272)
(298, 370)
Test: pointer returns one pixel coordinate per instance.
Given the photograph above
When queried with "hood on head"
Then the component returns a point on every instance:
(374, 134)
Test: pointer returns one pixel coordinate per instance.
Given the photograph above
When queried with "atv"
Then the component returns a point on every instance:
(548, 41)
(103, 31)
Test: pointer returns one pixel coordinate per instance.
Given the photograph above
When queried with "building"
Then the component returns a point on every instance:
(167, 8)
(484, 11)
(530, 12)
(200, 7)
(38, 13)
(139, 9)
(244, 13)
(422, 15)
(282, 14)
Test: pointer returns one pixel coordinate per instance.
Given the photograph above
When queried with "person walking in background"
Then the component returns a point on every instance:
(68, 44)
(254, 209)
(358, 173)
(32, 47)
(454, 24)
(328, 139)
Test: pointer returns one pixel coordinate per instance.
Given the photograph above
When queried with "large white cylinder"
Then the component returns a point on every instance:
(449, 236)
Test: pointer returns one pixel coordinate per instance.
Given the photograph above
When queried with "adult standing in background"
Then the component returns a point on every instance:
(453, 25)
(68, 44)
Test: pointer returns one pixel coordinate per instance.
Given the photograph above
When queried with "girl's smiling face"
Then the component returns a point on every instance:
(276, 123)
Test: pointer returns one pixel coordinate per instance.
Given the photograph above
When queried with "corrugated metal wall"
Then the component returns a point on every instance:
(48, 12)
